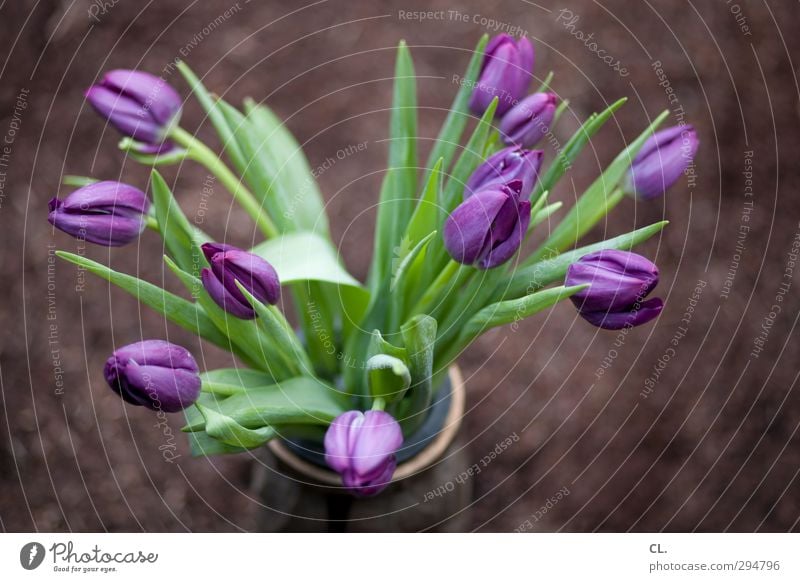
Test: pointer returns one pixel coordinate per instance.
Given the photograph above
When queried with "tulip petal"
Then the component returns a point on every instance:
(163, 388)
(107, 196)
(154, 94)
(661, 161)
(511, 163)
(224, 298)
(156, 374)
(339, 438)
(159, 353)
(529, 121)
(467, 229)
(506, 249)
(378, 438)
(646, 312)
(616, 279)
(101, 229)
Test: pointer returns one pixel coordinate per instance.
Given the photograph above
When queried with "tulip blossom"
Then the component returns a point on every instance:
(529, 120)
(508, 164)
(105, 213)
(661, 161)
(618, 283)
(488, 227)
(229, 265)
(138, 104)
(154, 373)
(505, 74)
(361, 447)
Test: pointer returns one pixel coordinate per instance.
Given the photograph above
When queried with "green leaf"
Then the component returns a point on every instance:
(290, 171)
(452, 194)
(470, 159)
(203, 445)
(229, 381)
(601, 196)
(544, 214)
(450, 134)
(546, 83)
(180, 237)
(426, 214)
(405, 263)
(400, 182)
(562, 107)
(211, 106)
(274, 325)
(301, 400)
(419, 335)
(78, 181)
(516, 309)
(226, 430)
(186, 314)
(569, 153)
(257, 168)
(305, 256)
(401, 281)
(388, 376)
(378, 345)
(245, 338)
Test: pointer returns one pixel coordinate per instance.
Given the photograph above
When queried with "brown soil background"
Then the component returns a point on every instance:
(714, 447)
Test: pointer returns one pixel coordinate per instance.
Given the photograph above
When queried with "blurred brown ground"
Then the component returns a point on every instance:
(713, 447)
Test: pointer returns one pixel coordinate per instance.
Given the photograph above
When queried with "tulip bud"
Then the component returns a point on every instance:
(661, 161)
(509, 164)
(618, 283)
(138, 104)
(505, 74)
(230, 264)
(488, 227)
(105, 213)
(529, 120)
(154, 373)
(361, 447)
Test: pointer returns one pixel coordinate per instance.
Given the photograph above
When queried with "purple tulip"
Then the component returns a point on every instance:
(138, 104)
(230, 264)
(508, 164)
(105, 213)
(488, 227)
(361, 447)
(154, 373)
(529, 120)
(505, 73)
(661, 161)
(618, 283)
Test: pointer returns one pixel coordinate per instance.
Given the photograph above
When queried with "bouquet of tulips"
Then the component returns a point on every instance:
(361, 367)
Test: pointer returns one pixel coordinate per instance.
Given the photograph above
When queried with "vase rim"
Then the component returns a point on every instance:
(419, 462)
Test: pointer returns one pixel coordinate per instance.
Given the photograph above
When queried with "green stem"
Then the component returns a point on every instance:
(433, 292)
(562, 239)
(202, 154)
(285, 336)
(152, 223)
(378, 404)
